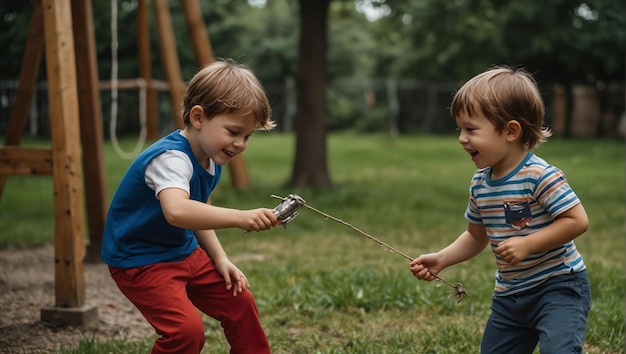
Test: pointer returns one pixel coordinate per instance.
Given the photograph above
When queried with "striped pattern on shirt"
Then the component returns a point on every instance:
(525, 201)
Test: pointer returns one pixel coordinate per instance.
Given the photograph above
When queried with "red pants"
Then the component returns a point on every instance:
(167, 294)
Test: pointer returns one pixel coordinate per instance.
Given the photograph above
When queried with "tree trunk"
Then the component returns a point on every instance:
(310, 165)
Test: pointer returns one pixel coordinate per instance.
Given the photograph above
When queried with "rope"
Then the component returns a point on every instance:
(114, 97)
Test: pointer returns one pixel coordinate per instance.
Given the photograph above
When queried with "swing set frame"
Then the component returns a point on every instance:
(61, 32)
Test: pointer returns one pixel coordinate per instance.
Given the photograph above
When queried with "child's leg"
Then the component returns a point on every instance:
(554, 312)
(158, 291)
(237, 314)
(564, 307)
(504, 332)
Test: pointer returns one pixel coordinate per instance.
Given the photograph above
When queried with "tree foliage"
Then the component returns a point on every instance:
(573, 40)
(320, 41)
(582, 40)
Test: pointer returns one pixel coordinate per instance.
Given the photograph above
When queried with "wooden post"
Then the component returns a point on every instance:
(66, 166)
(197, 32)
(145, 70)
(90, 113)
(26, 84)
(169, 59)
(204, 55)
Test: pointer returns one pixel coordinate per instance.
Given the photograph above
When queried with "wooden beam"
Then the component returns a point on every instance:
(145, 70)
(31, 61)
(90, 113)
(239, 177)
(134, 84)
(25, 161)
(197, 32)
(169, 59)
(66, 156)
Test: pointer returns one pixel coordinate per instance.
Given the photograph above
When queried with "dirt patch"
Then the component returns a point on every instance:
(27, 286)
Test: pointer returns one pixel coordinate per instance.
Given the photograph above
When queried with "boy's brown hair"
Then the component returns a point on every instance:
(225, 86)
(503, 94)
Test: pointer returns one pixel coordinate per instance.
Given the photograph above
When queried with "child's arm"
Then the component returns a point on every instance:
(185, 213)
(470, 243)
(566, 227)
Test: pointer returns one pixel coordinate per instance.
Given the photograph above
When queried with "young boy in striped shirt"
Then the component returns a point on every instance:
(525, 210)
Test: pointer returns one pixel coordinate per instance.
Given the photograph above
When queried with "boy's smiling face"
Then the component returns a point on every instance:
(479, 137)
(502, 150)
(219, 138)
(225, 136)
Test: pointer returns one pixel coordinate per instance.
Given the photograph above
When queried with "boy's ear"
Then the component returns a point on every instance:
(513, 130)
(196, 114)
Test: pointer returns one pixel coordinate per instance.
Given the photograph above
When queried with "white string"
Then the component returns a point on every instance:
(114, 97)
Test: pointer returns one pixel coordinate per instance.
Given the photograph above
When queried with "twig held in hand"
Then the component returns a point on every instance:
(459, 291)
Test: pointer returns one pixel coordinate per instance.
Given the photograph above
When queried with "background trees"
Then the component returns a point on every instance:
(426, 39)
(310, 47)
(310, 165)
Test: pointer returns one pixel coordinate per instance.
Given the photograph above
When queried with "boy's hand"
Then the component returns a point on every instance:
(233, 277)
(425, 267)
(258, 219)
(513, 250)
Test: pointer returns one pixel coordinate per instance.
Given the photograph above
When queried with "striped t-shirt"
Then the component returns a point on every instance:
(525, 201)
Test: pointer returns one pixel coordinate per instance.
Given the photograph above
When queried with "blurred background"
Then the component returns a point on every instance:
(391, 66)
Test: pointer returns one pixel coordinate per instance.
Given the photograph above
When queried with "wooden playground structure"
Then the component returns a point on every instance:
(62, 33)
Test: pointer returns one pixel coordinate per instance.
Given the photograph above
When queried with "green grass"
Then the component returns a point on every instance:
(323, 288)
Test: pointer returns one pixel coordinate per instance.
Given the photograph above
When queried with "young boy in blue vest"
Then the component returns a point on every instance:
(159, 239)
(525, 211)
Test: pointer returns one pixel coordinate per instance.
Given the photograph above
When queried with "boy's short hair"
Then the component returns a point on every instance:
(225, 86)
(503, 94)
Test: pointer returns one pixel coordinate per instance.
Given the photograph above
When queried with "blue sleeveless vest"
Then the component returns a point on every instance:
(136, 233)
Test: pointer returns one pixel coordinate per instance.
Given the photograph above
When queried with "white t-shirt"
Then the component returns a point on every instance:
(171, 169)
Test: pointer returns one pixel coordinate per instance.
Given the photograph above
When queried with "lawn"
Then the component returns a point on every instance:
(323, 288)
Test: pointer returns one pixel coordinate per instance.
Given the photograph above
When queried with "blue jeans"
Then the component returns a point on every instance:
(553, 314)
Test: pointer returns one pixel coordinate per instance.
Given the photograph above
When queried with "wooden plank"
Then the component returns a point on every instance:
(197, 32)
(25, 161)
(64, 124)
(239, 177)
(169, 59)
(31, 61)
(145, 69)
(90, 114)
(134, 84)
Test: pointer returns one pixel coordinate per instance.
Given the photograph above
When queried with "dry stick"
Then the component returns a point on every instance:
(459, 290)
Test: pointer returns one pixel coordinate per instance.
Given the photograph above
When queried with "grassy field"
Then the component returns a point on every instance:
(323, 288)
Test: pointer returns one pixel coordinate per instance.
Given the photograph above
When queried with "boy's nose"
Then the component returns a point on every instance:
(462, 138)
(240, 143)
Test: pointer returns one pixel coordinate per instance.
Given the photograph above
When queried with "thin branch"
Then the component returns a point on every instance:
(459, 290)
